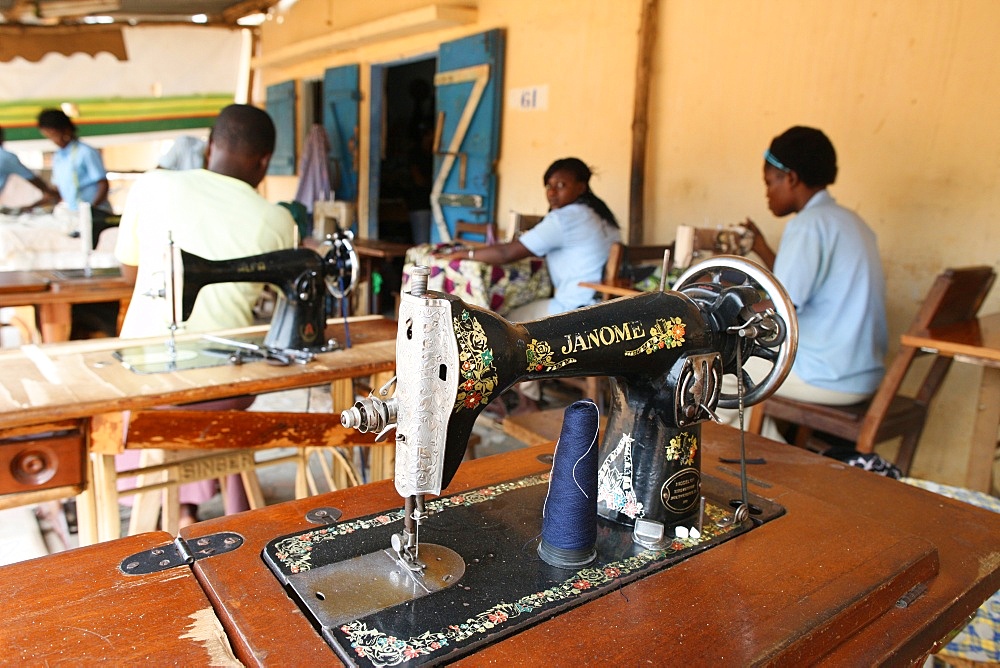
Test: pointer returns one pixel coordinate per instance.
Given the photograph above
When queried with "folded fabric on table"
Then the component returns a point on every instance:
(500, 288)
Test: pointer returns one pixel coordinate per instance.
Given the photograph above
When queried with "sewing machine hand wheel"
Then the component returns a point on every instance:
(341, 260)
(772, 336)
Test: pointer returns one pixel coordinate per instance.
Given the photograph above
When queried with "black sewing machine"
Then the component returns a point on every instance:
(304, 276)
(437, 587)
(666, 353)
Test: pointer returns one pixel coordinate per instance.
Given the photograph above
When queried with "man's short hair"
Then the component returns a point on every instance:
(809, 153)
(244, 128)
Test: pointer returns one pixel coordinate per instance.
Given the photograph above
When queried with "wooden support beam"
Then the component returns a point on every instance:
(640, 122)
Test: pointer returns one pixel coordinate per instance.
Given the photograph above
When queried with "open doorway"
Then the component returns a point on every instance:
(403, 131)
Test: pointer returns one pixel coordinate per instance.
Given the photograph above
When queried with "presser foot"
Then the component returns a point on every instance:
(407, 553)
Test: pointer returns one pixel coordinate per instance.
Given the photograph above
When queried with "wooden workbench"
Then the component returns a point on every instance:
(818, 585)
(53, 292)
(78, 379)
(57, 400)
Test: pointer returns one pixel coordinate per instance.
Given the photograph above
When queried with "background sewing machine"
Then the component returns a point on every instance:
(304, 277)
(667, 352)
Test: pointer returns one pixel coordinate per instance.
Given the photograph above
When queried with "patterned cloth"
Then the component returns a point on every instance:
(980, 640)
(499, 288)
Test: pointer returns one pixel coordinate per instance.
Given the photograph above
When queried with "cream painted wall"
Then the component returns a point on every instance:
(904, 89)
(584, 53)
(905, 92)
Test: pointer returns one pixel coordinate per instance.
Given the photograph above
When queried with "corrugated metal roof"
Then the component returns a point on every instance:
(28, 13)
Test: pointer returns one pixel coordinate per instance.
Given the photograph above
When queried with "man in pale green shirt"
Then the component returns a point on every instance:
(214, 213)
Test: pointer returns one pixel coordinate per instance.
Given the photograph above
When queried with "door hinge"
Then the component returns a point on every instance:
(180, 553)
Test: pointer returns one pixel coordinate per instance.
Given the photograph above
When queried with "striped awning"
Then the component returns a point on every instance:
(32, 44)
(118, 115)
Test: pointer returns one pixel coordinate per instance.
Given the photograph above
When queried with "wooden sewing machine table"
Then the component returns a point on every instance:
(837, 580)
(54, 291)
(62, 406)
(973, 342)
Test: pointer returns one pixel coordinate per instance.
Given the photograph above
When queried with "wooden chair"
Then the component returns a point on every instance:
(955, 296)
(622, 258)
(521, 223)
(483, 234)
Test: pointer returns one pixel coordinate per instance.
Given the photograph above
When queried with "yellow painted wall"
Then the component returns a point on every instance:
(904, 89)
(905, 92)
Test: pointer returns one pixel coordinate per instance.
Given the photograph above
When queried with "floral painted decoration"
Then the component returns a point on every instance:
(614, 483)
(383, 649)
(683, 448)
(539, 355)
(666, 333)
(475, 358)
(295, 552)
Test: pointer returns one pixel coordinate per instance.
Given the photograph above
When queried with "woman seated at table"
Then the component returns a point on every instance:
(574, 238)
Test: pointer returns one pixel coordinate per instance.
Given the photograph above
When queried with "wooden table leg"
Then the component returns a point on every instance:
(146, 505)
(382, 460)
(302, 473)
(109, 525)
(55, 322)
(106, 437)
(342, 394)
(979, 475)
(86, 509)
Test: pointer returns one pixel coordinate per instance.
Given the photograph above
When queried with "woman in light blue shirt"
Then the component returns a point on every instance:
(77, 169)
(574, 238)
(829, 264)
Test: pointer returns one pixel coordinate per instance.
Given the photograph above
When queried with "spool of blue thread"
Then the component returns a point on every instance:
(569, 515)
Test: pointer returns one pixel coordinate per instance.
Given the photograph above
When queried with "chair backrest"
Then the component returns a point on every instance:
(955, 296)
(521, 223)
(621, 257)
(482, 234)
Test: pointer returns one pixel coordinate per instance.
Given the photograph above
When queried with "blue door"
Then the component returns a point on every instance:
(467, 140)
(281, 108)
(340, 118)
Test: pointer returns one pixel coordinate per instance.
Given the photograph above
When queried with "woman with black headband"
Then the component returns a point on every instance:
(77, 169)
(829, 264)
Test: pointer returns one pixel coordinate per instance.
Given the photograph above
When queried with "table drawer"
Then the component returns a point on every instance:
(42, 461)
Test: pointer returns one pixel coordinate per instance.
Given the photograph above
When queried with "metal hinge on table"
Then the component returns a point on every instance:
(180, 553)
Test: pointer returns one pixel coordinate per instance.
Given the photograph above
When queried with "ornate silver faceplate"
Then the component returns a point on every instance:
(427, 373)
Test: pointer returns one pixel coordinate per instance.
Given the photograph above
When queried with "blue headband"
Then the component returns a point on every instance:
(769, 157)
